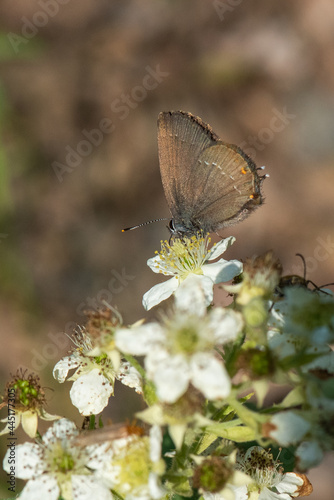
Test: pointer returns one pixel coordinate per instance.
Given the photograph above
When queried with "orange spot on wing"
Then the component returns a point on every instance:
(243, 170)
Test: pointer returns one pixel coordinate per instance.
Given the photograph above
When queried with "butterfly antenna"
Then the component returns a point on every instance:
(143, 224)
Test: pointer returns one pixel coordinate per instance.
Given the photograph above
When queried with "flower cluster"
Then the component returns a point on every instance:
(206, 373)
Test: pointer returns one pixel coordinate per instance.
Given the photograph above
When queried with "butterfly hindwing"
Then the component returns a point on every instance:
(208, 184)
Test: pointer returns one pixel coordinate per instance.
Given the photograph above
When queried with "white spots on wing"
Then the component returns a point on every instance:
(200, 161)
(218, 166)
(230, 176)
(214, 164)
(235, 187)
(206, 163)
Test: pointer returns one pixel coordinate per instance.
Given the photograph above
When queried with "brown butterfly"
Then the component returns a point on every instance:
(208, 183)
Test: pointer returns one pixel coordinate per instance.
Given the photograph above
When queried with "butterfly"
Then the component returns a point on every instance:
(208, 184)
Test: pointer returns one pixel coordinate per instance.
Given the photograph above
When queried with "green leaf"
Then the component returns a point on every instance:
(237, 433)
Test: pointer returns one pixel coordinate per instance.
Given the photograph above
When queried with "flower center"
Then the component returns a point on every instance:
(60, 460)
(212, 474)
(28, 392)
(134, 465)
(183, 256)
(186, 339)
(188, 335)
(260, 465)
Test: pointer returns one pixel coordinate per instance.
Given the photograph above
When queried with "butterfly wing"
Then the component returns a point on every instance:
(226, 187)
(208, 184)
(182, 137)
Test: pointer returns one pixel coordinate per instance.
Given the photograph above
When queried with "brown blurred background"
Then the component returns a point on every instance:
(100, 71)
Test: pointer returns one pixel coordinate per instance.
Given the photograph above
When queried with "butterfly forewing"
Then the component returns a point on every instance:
(181, 139)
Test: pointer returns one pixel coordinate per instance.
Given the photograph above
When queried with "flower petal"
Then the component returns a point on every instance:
(91, 392)
(154, 263)
(209, 376)
(10, 426)
(194, 294)
(155, 443)
(88, 487)
(223, 270)
(62, 429)
(282, 344)
(139, 340)
(129, 376)
(308, 454)
(28, 461)
(45, 487)
(63, 366)
(219, 248)
(290, 483)
(159, 292)
(29, 423)
(169, 373)
(288, 428)
(155, 490)
(230, 492)
(226, 324)
(267, 494)
(48, 416)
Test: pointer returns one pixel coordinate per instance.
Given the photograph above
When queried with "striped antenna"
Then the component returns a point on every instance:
(142, 224)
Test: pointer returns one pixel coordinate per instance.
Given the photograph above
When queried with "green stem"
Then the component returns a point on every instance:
(148, 387)
(135, 364)
(91, 422)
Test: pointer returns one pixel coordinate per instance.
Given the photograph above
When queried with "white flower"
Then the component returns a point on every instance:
(182, 351)
(308, 454)
(187, 257)
(129, 376)
(271, 483)
(230, 492)
(310, 315)
(56, 467)
(94, 378)
(90, 393)
(132, 466)
(218, 479)
(287, 428)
